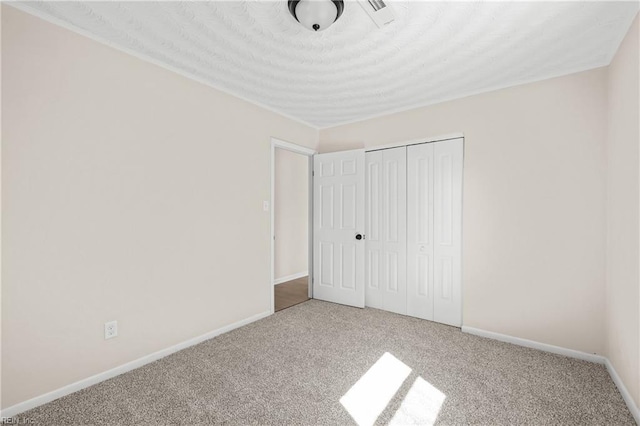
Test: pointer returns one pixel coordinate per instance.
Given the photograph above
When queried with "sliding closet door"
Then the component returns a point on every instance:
(447, 307)
(386, 236)
(420, 241)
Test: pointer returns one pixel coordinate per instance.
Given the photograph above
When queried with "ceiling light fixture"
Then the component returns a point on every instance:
(316, 15)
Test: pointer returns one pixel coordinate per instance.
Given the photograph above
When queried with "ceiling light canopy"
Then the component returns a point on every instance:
(316, 15)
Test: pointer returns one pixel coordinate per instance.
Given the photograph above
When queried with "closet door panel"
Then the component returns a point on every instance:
(395, 229)
(374, 274)
(448, 157)
(420, 231)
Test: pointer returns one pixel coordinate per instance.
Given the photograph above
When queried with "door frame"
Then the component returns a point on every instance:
(298, 149)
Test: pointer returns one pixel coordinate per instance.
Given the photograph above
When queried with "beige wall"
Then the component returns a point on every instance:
(130, 194)
(291, 213)
(533, 204)
(623, 213)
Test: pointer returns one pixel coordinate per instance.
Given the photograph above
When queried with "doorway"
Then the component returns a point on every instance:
(388, 229)
(291, 213)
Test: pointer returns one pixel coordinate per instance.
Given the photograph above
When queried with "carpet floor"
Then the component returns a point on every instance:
(319, 363)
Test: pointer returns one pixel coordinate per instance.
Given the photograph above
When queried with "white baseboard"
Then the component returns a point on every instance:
(599, 359)
(635, 411)
(100, 377)
(290, 277)
(566, 352)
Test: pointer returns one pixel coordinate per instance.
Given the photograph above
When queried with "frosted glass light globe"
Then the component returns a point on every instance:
(316, 15)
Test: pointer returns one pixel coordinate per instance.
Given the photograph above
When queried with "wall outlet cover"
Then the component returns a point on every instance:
(110, 329)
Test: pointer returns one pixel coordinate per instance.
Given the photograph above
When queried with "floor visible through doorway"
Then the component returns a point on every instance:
(291, 293)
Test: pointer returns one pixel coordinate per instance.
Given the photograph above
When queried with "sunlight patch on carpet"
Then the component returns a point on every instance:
(420, 406)
(369, 396)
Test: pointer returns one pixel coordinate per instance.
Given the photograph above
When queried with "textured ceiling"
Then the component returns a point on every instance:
(434, 51)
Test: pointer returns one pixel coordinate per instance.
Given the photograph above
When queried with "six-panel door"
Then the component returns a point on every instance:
(338, 253)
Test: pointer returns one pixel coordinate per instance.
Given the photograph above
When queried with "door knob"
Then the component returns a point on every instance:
(358, 236)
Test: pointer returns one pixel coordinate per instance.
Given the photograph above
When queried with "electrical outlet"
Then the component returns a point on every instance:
(110, 329)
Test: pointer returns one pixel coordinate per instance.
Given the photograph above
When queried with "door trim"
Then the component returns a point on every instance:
(440, 138)
(298, 149)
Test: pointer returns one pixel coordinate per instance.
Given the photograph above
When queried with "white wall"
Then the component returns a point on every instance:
(533, 204)
(623, 213)
(291, 213)
(129, 193)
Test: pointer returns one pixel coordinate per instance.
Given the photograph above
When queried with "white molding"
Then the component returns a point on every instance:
(291, 277)
(598, 359)
(613, 53)
(67, 26)
(463, 95)
(299, 149)
(443, 99)
(61, 23)
(416, 141)
(635, 411)
(100, 377)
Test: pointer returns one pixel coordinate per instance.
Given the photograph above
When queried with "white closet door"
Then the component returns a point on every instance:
(394, 229)
(447, 307)
(338, 224)
(386, 235)
(420, 240)
(374, 242)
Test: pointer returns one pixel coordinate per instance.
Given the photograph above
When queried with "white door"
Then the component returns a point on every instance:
(434, 242)
(420, 247)
(447, 216)
(386, 235)
(338, 225)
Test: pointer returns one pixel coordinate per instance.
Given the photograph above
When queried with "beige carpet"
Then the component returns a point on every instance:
(319, 363)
